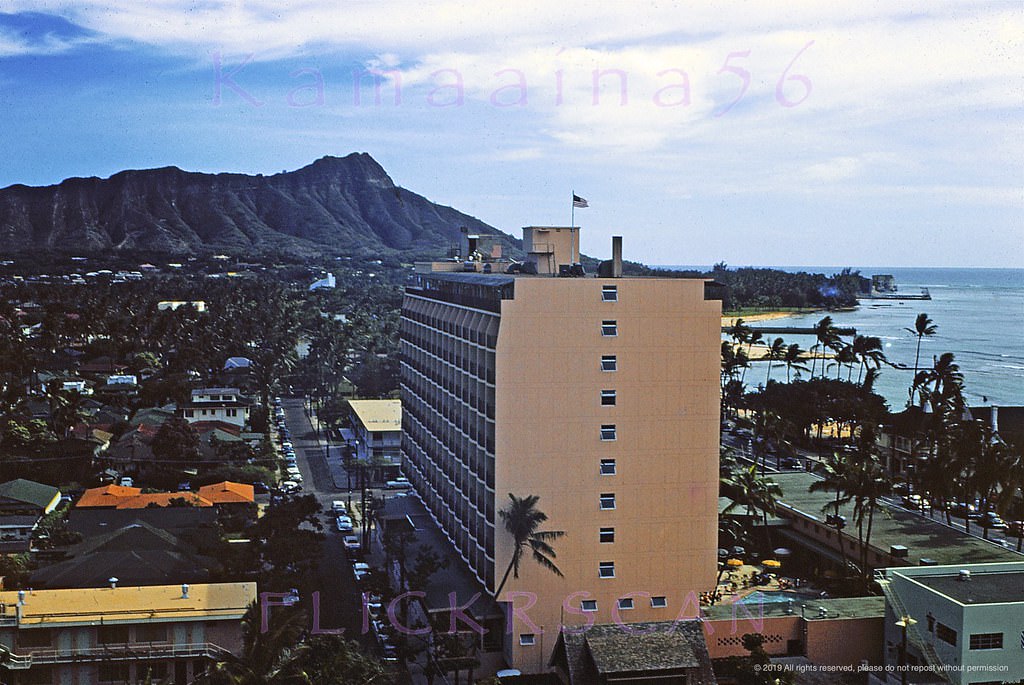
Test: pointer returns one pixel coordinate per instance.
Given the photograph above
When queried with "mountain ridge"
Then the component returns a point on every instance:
(343, 205)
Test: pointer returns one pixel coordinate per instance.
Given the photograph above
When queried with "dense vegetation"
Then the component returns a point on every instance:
(751, 288)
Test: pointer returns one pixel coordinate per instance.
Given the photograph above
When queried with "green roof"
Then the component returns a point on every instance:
(30, 492)
(894, 526)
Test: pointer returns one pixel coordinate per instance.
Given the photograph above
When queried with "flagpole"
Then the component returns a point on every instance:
(572, 212)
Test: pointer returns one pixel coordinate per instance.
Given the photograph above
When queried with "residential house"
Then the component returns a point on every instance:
(137, 554)
(121, 497)
(120, 634)
(377, 425)
(22, 504)
(217, 404)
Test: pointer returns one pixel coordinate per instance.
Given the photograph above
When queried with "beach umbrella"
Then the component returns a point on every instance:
(722, 553)
(782, 552)
(734, 562)
(771, 563)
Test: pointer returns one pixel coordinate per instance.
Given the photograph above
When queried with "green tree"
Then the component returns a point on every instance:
(923, 327)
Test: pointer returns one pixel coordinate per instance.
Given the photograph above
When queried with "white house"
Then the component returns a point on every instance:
(217, 404)
(377, 425)
(966, 621)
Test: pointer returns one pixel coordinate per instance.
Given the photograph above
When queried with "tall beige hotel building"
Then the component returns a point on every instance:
(597, 393)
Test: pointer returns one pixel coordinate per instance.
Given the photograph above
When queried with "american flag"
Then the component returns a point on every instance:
(578, 201)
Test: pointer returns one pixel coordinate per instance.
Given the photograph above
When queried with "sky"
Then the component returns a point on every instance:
(856, 133)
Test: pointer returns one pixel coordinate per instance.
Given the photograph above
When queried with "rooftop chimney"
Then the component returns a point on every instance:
(184, 590)
(616, 256)
(113, 582)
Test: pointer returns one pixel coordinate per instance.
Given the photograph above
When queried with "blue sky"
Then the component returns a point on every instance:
(868, 133)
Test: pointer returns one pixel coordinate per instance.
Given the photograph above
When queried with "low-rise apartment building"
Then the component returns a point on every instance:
(120, 634)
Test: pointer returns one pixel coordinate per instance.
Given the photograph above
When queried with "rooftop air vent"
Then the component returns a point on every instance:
(964, 575)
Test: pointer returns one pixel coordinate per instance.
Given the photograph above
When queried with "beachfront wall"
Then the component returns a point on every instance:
(827, 642)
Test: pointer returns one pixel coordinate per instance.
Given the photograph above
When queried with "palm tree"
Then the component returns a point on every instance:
(868, 349)
(826, 335)
(792, 358)
(923, 326)
(522, 518)
(268, 657)
(835, 472)
(757, 493)
(776, 352)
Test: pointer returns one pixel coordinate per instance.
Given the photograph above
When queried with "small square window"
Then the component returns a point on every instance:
(607, 535)
(659, 602)
(626, 603)
(588, 605)
(608, 431)
(527, 639)
(609, 327)
(606, 569)
(607, 500)
(609, 293)
(609, 362)
(608, 398)
(607, 467)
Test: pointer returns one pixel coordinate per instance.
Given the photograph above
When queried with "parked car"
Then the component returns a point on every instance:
(790, 463)
(289, 486)
(260, 488)
(399, 483)
(352, 545)
(344, 524)
(361, 569)
(915, 502)
(991, 519)
(338, 507)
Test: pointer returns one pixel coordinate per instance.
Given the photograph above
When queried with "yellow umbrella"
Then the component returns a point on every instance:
(771, 563)
(734, 562)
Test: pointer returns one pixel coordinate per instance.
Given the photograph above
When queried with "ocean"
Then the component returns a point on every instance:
(980, 318)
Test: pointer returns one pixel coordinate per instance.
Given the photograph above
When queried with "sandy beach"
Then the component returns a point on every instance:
(763, 316)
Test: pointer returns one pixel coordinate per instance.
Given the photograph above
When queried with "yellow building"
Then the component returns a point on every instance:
(597, 394)
(120, 634)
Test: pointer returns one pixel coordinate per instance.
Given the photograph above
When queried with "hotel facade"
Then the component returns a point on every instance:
(600, 396)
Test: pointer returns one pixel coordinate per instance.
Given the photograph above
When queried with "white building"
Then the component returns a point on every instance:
(217, 404)
(968, 621)
(377, 425)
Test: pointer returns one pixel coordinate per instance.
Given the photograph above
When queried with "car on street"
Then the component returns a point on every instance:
(789, 463)
(289, 486)
(361, 569)
(351, 543)
(399, 483)
(344, 524)
(991, 519)
(338, 507)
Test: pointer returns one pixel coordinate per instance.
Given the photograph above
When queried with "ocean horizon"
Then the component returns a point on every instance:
(978, 312)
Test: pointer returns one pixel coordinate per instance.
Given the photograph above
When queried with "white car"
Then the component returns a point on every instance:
(351, 543)
(361, 569)
(399, 483)
(290, 486)
(344, 524)
(338, 507)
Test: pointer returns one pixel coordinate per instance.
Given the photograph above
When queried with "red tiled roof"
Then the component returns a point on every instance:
(162, 499)
(106, 496)
(228, 493)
